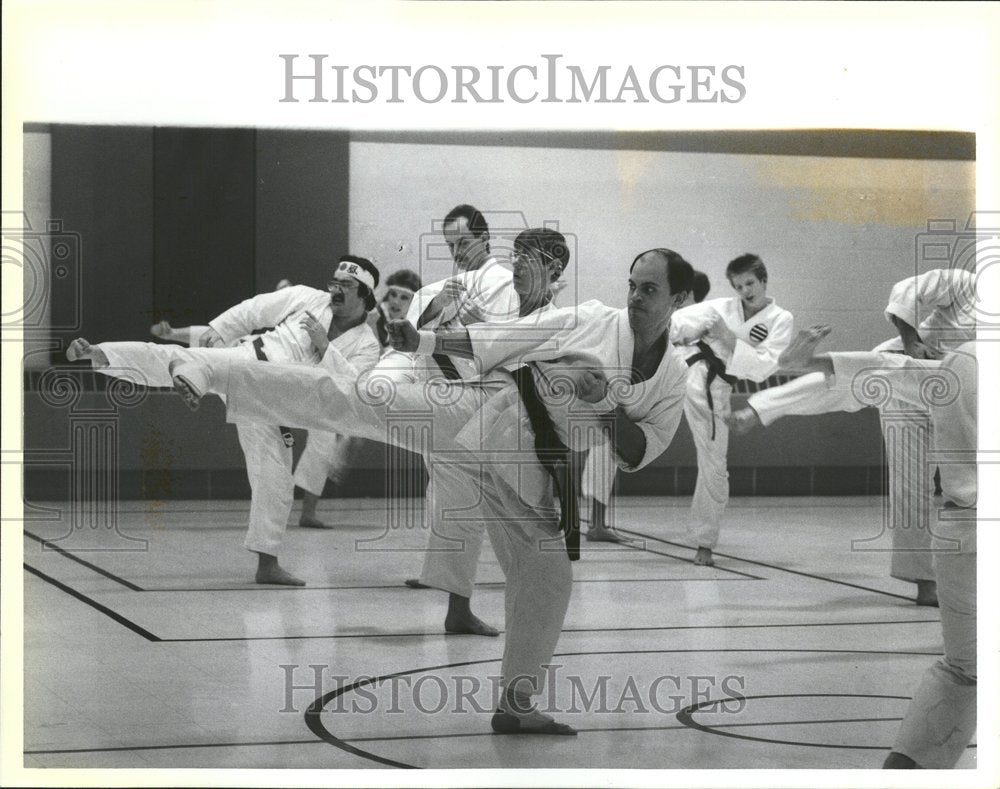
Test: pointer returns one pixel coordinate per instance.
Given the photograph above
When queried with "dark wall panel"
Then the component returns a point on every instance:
(302, 205)
(204, 208)
(102, 180)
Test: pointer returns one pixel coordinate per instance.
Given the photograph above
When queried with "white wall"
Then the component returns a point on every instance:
(835, 233)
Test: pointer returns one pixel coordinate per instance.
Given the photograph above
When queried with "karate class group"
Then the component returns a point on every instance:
(536, 404)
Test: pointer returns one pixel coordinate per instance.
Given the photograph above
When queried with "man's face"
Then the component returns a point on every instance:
(752, 291)
(397, 302)
(650, 302)
(531, 274)
(468, 251)
(344, 298)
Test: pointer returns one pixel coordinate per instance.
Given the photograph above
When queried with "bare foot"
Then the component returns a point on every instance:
(186, 383)
(743, 421)
(162, 330)
(413, 583)
(309, 522)
(532, 722)
(270, 572)
(798, 355)
(927, 593)
(703, 558)
(605, 534)
(467, 623)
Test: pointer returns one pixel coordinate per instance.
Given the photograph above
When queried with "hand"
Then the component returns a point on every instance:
(402, 335)
(592, 386)
(210, 339)
(918, 349)
(315, 331)
(717, 328)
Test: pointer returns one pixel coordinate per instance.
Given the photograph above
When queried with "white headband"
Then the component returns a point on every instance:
(360, 274)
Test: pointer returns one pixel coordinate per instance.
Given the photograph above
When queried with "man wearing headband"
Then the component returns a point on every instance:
(311, 327)
(326, 455)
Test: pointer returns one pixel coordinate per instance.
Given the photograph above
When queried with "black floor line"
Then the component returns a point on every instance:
(94, 604)
(685, 559)
(774, 567)
(69, 555)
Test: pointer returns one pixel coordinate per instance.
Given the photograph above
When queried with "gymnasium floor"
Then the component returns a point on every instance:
(168, 656)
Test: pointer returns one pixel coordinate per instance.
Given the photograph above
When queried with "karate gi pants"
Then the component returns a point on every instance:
(426, 417)
(325, 457)
(941, 719)
(268, 460)
(907, 434)
(711, 491)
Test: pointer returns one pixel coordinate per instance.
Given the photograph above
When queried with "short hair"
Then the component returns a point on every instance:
(700, 286)
(405, 278)
(363, 290)
(551, 243)
(745, 264)
(477, 222)
(680, 273)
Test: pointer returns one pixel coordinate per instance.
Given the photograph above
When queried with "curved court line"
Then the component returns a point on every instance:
(314, 712)
(686, 716)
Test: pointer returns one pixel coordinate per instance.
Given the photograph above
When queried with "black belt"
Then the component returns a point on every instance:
(716, 369)
(554, 456)
(286, 433)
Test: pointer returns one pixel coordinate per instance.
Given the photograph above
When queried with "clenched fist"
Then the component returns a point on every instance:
(403, 335)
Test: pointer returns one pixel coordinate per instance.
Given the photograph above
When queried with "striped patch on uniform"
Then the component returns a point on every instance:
(758, 333)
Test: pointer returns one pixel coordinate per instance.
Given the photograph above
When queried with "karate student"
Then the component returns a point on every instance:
(726, 339)
(311, 327)
(932, 313)
(941, 718)
(600, 467)
(480, 288)
(326, 455)
(575, 353)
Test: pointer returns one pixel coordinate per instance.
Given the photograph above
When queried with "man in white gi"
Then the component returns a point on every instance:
(726, 339)
(941, 718)
(480, 289)
(311, 327)
(600, 467)
(327, 455)
(600, 374)
(933, 313)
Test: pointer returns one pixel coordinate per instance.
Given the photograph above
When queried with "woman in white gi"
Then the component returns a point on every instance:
(941, 718)
(326, 455)
(725, 339)
(599, 372)
(933, 313)
(311, 327)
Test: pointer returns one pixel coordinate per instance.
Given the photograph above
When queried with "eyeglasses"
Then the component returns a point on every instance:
(343, 284)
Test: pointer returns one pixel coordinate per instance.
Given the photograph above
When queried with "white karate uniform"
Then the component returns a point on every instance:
(268, 460)
(941, 306)
(482, 423)
(454, 543)
(941, 718)
(760, 340)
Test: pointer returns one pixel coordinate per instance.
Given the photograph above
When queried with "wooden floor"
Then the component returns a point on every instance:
(150, 646)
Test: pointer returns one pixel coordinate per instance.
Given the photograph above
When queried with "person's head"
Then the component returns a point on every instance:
(540, 257)
(659, 282)
(352, 286)
(400, 287)
(748, 276)
(467, 236)
(700, 286)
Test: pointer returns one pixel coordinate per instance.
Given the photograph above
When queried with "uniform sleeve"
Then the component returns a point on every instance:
(913, 299)
(263, 311)
(363, 358)
(873, 377)
(659, 425)
(541, 336)
(757, 362)
(688, 324)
